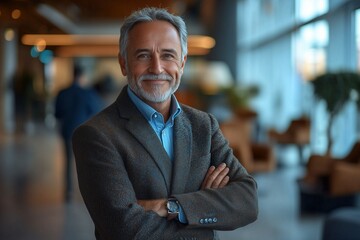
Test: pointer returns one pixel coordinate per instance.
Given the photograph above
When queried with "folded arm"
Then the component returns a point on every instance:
(110, 197)
(216, 177)
(226, 197)
(229, 207)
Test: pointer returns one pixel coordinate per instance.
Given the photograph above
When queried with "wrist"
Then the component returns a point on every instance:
(173, 207)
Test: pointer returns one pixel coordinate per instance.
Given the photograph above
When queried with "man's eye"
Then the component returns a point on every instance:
(143, 56)
(168, 56)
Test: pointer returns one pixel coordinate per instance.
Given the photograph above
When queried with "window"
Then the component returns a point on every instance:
(310, 49)
(308, 9)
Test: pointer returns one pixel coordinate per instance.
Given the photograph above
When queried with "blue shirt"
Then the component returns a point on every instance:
(163, 130)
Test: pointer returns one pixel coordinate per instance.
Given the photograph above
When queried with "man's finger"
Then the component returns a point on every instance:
(224, 182)
(209, 172)
(213, 176)
(219, 178)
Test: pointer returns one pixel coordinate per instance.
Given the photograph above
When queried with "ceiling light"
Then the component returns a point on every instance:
(197, 44)
(9, 34)
(15, 14)
(40, 45)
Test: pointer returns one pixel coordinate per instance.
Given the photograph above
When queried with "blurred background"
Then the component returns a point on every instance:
(281, 77)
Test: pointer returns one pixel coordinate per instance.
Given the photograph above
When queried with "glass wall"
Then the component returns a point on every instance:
(309, 9)
(282, 58)
(310, 49)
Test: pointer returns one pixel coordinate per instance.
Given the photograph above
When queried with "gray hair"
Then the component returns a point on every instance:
(148, 15)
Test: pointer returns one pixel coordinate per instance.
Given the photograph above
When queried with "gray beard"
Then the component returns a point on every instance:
(156, 95)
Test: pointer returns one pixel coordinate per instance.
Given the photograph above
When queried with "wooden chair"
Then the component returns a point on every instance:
(297, 133)
(255, 157)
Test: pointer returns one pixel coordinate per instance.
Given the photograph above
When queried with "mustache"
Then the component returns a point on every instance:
(162, 76)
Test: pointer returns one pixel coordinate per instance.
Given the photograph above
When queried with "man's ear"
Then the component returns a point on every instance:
(122, 63)
(183, 64)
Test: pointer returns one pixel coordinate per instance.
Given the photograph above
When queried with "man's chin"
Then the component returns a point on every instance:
(156, 98)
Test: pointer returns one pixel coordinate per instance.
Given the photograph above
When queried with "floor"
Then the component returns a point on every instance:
(31, 206)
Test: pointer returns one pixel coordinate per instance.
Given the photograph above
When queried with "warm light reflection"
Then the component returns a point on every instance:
(72, 51)
(9, 34)
(15, 14)
(197, 51)
(64, 39)
(104, 45)
(197, 41)
(40, 45)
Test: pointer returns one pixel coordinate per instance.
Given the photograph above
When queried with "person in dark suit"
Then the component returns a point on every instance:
(73, 106)
(152, 168)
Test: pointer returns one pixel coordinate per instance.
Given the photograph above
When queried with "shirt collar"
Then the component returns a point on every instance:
(147, 111)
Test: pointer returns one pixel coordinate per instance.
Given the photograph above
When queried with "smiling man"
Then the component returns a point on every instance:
(150, 167)
(153, 63)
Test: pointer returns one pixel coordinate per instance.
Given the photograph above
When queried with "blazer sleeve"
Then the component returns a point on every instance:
(227, 208)
(109, 195)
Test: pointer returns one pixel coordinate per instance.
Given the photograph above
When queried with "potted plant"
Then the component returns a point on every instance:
(336, 89)
(238, 98)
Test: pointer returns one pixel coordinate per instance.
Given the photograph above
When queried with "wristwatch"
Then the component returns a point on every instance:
(173, 207)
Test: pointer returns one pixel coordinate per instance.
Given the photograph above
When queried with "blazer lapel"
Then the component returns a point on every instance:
(182, 154)
(142, 131)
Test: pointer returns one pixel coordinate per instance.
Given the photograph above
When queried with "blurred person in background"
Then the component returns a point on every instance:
(73, 106)
(150, 167)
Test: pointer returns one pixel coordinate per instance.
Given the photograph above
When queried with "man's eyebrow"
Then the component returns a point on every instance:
(170, 50)
(140, 50)
(166, 50)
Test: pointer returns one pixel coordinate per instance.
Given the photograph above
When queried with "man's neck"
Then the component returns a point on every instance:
(161, 107)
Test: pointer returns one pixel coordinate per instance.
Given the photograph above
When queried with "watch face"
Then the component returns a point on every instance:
(173, 207)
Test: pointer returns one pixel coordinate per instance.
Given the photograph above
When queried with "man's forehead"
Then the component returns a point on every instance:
(161, 26)
(159, 34)
(153, 22)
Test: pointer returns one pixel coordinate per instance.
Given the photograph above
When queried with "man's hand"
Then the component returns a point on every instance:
(157, 205)
(216, 177)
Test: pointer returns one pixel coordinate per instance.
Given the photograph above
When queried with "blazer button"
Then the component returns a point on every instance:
(210, 220)
(205, 220)
(215, 220)
(201, 220)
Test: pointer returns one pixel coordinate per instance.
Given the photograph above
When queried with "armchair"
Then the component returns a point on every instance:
(255, 157)
(331, 183)
(340, 175)
(345, 179)
(297, 133)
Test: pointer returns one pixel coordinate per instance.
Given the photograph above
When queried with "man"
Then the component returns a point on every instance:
(73, 106)
(150, 168)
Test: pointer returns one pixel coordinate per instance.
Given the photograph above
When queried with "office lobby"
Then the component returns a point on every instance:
(254, 65)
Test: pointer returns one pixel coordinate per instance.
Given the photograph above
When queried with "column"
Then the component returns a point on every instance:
(8, 61)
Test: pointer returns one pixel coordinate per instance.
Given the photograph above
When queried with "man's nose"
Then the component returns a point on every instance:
(155, 65)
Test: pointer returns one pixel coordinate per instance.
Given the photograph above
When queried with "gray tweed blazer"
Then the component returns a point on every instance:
(120, 159)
